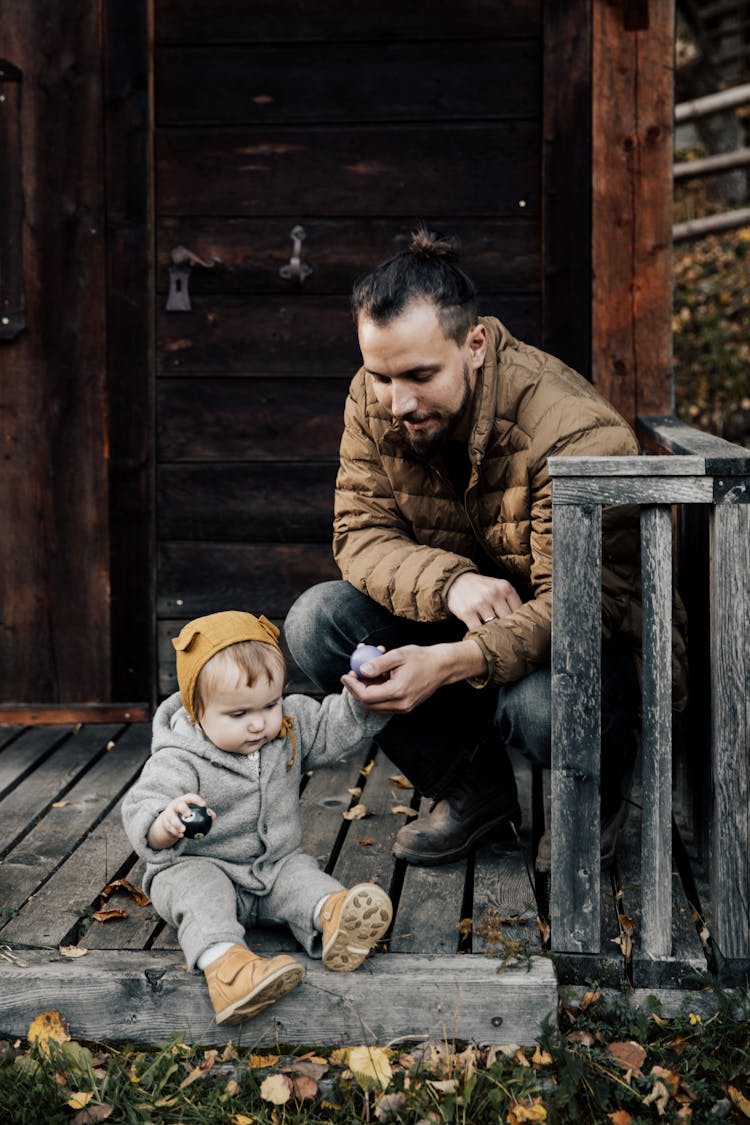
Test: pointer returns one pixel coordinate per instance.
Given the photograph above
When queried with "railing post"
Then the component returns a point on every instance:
(576, 728)
(730, 721)
(656, 824)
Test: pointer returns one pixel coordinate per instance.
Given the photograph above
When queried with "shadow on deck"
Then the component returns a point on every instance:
(455, 927)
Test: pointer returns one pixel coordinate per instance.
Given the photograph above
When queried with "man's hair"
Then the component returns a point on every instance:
(252, 660)
(427, 271)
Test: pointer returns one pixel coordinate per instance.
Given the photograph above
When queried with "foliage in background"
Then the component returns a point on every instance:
(607, 1064)
(711, 323)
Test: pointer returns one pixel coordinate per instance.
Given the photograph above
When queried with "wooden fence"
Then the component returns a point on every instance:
(702, 470)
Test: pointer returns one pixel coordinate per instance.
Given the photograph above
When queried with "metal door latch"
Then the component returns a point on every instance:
(296, 269)
(183, 260)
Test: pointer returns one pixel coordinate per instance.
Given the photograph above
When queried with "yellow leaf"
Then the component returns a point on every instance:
(46, 1026)
(79, 1100)
(739, 1100)
(277, 1089)
(541, 1058)
(533, 1112)
(241, 1119)
(620, 1117)
(404, 810)
(370, 1066)
(259, 1062)
(59, 804)
(359, 812)
(72, 951)
(400, 781)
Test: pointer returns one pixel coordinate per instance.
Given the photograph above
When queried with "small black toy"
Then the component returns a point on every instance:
(197, 822)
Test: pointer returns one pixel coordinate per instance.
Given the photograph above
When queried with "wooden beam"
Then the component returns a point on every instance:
(148, 997)
(31, 714)
(632, 209)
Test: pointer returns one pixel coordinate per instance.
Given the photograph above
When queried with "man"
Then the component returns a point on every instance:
(443, 535)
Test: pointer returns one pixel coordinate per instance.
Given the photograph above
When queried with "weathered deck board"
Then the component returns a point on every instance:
(437, 977)
(120, 995)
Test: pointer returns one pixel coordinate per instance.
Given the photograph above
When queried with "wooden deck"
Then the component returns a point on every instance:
(63, 843)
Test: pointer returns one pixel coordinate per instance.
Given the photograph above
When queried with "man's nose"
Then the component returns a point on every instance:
(403, 400)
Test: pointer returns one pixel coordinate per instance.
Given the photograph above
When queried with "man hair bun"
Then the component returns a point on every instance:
(433, 245)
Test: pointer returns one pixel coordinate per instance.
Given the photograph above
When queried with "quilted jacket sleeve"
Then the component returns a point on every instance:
(516, 645)
(372, 544)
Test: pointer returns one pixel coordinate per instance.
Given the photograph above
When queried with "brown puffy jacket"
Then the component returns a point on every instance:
(402, 534)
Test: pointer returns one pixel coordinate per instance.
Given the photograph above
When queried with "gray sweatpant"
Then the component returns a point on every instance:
(200, 900)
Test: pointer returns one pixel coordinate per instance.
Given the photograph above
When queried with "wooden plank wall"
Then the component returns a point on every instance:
(54, 550)
(356, 121)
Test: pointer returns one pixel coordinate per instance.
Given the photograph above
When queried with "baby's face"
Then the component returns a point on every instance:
(241, 719)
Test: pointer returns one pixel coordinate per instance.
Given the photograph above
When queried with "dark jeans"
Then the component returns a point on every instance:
(435, 741)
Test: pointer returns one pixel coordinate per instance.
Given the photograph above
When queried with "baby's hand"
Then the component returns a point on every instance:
(167, 829)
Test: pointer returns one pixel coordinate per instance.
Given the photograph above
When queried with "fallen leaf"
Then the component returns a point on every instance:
(390, 1105)
(259, 1062)
(541, 1058)
(277, 1089)
(307, 1067)
(72, 951)
(519, 1058)
(367, 770)
(585, 1038)
(400, 781)
(465, 926)
(739, 1099)
(112, 915)
(91, 1114)
(659, 1097)
(232, 1087)
(59, 804)
(110, 745)
(518, 1113)
(242, 1119)
(304, 1087)
(668, 1077)
(620, 1117)
(444, 1086)
(367, 842)
(46, 1026)
(356, 792)
(370, 1066)
(630, 1055)
(359, 812)
(136, 893)
(404, 810)
(544, 929)
(79, 1099)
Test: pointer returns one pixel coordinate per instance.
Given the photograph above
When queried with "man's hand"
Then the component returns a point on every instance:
(477, 599)
(167, 829)
(413, 673)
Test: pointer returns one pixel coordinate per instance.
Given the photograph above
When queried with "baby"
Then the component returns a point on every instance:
(230, 742)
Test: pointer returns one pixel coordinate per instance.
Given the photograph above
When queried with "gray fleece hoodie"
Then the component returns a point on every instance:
(255, 797)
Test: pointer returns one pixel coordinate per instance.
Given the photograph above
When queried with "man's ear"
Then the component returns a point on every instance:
(476, 341)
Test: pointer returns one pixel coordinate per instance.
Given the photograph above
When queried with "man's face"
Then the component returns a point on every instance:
(423, 379)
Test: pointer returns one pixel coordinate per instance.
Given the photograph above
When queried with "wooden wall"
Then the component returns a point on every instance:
(356, 121)
(54, 547)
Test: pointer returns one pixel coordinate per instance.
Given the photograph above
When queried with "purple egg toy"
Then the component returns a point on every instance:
(360, 656)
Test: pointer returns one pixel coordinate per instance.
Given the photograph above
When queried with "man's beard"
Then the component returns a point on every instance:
(427, 445)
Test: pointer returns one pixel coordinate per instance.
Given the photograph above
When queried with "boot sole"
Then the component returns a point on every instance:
(267, 992)
(435, 859)
(365, 916)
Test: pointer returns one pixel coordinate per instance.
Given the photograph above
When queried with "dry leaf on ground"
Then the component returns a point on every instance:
(630, 1055)
(112, 915)
(400, 781)
(370, 1066)
(358, 812)
(277, 1089)
(72, 951)
(46, 1026)
(404, 810)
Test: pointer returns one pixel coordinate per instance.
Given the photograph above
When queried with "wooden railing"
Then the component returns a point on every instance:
(701, 470)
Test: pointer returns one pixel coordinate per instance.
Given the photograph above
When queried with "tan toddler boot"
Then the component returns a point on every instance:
(241, 984)
(353, 921)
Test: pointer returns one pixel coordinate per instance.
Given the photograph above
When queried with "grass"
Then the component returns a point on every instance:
(604, 1062)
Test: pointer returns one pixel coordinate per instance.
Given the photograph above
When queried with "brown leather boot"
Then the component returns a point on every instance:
(353, 921)
(474, 806)
(241, 984)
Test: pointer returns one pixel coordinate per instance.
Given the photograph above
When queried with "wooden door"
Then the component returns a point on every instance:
(355, 122)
